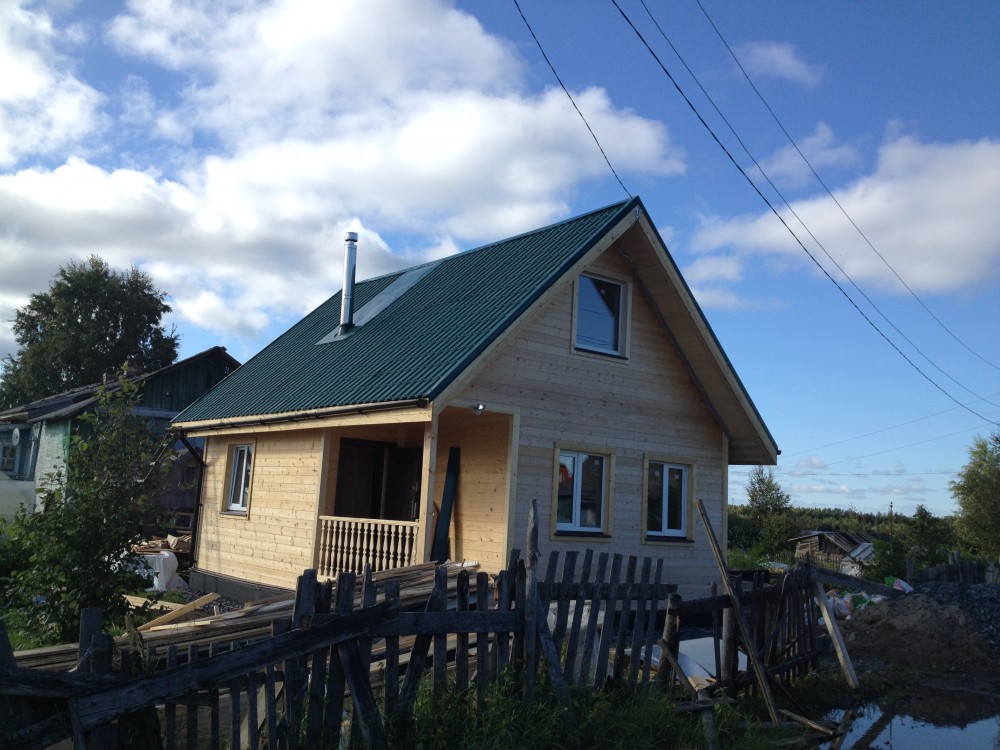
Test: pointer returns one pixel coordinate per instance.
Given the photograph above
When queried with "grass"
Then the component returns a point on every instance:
(612, 718)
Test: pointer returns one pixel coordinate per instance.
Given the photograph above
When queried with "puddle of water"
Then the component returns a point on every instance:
(894, 729)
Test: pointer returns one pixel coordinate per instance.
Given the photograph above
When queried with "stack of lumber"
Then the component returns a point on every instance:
(251, 623)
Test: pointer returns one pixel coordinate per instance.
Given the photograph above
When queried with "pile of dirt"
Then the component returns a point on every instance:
(920, 633)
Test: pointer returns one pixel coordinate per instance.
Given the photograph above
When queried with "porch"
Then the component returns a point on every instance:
(347, 544)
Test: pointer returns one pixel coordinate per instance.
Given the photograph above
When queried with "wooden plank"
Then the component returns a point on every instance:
(418, 654)
(462, 647)
(366, 710)
(391, 596)
(107, 704)
(607, 632)
(835, 578)
(675, 665)
(592, 622)
(838, 640)
(573, 638)
(482, 641)
(336, 681)
(562, 608)
(758, 667)
(654, 601)
(642, 613)
(532, 609)
(179, 612)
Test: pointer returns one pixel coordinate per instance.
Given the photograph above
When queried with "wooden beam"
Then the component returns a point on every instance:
(765, 687)
(179, 612)
(838, 640)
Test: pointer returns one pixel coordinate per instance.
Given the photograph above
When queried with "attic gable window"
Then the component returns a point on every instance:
(601, 306)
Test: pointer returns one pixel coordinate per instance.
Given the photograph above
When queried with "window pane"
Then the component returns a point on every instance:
(675, 498)
(654, 498)
(239, 488)
(592, 492)
(598, 319)
(567, 472)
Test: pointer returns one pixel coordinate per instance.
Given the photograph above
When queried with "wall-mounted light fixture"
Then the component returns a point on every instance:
(478, 409)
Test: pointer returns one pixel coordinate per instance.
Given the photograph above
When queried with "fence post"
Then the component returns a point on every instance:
(95, 656)
(530, 613)
(671, 639)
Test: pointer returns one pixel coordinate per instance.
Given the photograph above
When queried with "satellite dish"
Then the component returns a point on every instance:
(15, 436)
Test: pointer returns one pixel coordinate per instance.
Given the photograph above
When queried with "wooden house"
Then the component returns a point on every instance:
(415, 415)
(35, 438)
(838, 550)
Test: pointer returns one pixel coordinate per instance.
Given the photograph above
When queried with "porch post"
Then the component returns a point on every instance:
(428, 511)
(321, 494)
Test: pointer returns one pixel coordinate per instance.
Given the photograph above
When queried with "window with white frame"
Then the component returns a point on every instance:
(601, 306)
(240, 462)
(667, 499)
(581, 492)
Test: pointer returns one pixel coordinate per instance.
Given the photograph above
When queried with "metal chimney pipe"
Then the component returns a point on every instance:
(347, 294)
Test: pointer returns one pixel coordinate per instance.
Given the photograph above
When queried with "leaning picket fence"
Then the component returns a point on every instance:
(586, 620)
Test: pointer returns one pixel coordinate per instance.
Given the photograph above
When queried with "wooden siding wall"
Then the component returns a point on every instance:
(646, 405)
(478, 528)
(273, 542)
(179, 388)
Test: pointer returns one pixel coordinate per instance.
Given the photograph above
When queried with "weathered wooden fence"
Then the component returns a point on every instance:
(586, 620)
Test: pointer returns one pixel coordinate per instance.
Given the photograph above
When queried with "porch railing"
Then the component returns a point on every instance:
(346, 544)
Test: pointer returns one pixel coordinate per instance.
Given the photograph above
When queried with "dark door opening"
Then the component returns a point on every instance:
(378, 480)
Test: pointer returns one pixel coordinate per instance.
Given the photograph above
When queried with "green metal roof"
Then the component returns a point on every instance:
(417, 344)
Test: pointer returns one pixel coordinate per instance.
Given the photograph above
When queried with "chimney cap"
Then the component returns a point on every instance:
(350, 236)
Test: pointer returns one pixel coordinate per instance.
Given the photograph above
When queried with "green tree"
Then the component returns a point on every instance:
(89, 322)
(768, 508)
(977, 492)
(76, 552)
(928, 539)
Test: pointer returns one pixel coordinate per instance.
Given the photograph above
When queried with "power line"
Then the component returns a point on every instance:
(830, 192)
(794, 213)
(756, 189)
(570, 97)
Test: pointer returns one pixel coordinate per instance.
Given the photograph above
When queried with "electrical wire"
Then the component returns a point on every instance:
(784, 223)
(570, 97)
(794, 213)
(830, 192)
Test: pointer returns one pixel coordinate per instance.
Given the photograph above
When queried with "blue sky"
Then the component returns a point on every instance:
(224, 147)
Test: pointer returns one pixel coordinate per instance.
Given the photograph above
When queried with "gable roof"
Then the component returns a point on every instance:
(70, 403)
(417, 330)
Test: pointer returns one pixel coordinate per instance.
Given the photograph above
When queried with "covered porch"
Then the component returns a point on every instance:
(384, 486)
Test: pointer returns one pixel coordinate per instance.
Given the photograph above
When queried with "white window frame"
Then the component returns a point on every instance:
(575, 525)
(240, 478)
(687, 477)
(624, 306)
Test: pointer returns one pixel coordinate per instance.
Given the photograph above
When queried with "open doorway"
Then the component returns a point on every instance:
(378, 480)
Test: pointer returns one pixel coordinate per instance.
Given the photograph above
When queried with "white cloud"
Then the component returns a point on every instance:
(268, 128)
(821, 149)
(43, 106)
(929, 209)
(779, 60)
(812, 462)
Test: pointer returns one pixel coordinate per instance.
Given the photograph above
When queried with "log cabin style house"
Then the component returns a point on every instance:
(414, 416)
